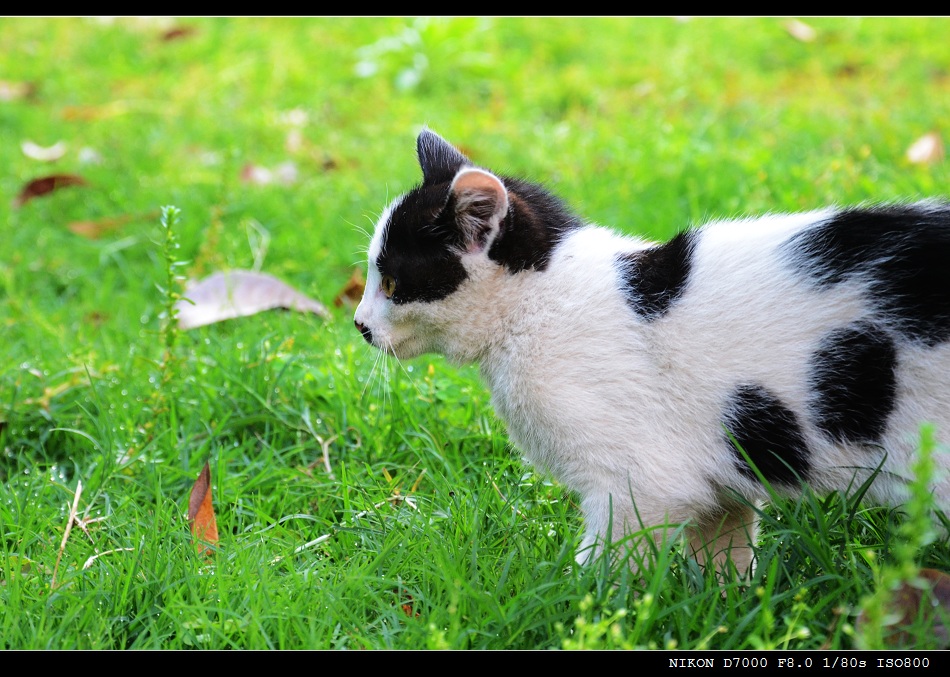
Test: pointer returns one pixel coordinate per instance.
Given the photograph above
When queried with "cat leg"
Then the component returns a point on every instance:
(628, 527)
(724, 540)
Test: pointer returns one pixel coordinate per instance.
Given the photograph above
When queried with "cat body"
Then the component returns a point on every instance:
(662, 382)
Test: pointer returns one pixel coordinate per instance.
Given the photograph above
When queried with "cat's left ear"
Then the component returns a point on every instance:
(480, 202)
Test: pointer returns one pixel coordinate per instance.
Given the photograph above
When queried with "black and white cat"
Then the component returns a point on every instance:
(629, 370)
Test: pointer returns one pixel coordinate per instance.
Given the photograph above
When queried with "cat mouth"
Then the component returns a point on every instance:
(382, 344)
(365, 331)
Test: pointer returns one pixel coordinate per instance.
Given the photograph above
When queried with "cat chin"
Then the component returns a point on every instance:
(402, 350)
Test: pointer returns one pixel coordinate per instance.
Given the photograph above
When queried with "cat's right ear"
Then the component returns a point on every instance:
(480, 201)
(439, 159)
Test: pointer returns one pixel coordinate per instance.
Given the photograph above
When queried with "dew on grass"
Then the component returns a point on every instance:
(57, 474)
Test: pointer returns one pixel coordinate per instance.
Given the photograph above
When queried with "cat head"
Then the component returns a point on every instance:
(428, 272)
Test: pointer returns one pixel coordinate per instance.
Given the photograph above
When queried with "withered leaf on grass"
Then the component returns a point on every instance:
(352, 291)
(178, 33)
(13, 91)
(204, 527)
(238, 293)
(285, 173)
(34, 151)
(99, 227)
(800, 30)
(926, 149)
(45, 185)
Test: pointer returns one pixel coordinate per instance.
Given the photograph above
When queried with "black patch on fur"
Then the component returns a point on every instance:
(768, 432)
(655, 278)
(903, 253)
(854, 383)
(419, 247)
(422, 238)
(440, 161)
(536, 223)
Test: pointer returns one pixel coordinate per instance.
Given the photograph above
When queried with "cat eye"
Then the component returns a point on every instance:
(388, 285)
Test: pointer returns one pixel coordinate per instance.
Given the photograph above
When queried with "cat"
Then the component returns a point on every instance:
(663, 382)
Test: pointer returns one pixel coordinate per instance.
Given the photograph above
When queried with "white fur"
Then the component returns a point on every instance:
(627, 412)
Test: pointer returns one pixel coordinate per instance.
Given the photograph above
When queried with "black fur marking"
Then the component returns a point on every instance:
(768, 432)
(536, 223)
(854, 383)
(903, 251)
(440, 160)
(419, 247)
(655, 278)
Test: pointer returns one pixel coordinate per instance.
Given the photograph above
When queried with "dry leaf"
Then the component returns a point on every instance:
(96, 229)
(928, 598)
(926, 149)
(285, 173)
(180, 32)
(101, 112)
(352, 291)
(407, 604)
(407, 607)
(35, 151)
(14, 91)
(800, 30)
(238, 293)
(46, 185)
(204, 527)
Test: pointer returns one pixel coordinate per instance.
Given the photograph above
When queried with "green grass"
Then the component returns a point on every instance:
(428, 531)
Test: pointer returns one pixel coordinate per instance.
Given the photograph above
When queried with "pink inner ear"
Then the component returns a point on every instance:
(480, 182)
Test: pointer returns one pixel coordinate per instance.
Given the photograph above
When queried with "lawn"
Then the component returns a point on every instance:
(361, 502)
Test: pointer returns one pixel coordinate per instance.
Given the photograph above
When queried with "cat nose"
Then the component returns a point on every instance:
(364, 330)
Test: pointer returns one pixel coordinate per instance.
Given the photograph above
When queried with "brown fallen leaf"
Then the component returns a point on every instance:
(99, 227)
(239, 293)
(352, 291)
(285, 173)
(926, 598)
(46, 185)
(179, 32)
(14, 91)
(100, 112)
(204, 527)
(34, 151)
(926, 150)
(408, 608)
(800, 30)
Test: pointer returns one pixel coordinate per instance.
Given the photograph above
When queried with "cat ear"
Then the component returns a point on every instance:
(439, 159)
(481, 202)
